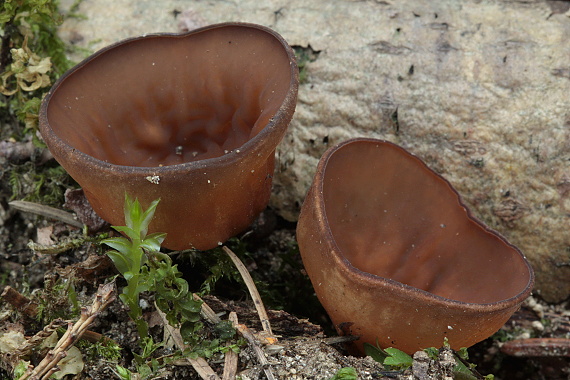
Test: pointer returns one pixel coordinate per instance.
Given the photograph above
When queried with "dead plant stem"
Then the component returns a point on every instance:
(48, 366)
(254, 294)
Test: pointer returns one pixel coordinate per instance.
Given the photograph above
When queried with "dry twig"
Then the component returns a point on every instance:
(20, 302)
(537, 347)
(27, 347)
(254, 295)
(231, 359)
(48, 212)
(206, 311)
(200, 364)
(48, 366)
(254, 343)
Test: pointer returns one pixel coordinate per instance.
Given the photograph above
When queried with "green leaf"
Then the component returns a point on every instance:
(462, 353)
(147, 216)
(191, 305)
(375, 353)
(122, 262)
(153, 241)
(4, 18)
(347, 373)
(192, 317)
(144, 286)
(225, 330)
(432, 352)
(138, 359)
(132, 210)
(188, 330)
(121, 244)
(462, 372)
(123, 373)
(162, 304)
(128, 275)
(398, 358)
(144, 370)
(130, 232)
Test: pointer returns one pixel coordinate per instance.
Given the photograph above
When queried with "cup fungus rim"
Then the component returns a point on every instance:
(408, 290)
(283, 113)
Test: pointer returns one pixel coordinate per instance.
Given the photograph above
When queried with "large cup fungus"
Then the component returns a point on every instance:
(193, 119)
(396, 258)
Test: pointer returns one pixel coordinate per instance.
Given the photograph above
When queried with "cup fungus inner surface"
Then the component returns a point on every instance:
(170, 99)
(394, 218)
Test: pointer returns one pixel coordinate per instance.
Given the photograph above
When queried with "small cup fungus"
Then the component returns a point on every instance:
(396, 258)
(193, 119)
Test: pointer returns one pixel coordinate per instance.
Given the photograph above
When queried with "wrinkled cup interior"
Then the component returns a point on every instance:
(192, 119)
(392, 217)
(167, 99)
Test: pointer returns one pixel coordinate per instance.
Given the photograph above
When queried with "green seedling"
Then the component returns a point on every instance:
(130, 258)
(123, 373)
(395, 359)
(347, 373)
(139, 260)
(390, 357)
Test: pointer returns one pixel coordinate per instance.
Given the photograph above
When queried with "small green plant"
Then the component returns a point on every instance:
(145, 363)
(130, 258)
(395, 359)
(58, 299)
(347, 373)
(464, 370)
(123, 373)
(105, 349)
(389, 357)
(145, 268)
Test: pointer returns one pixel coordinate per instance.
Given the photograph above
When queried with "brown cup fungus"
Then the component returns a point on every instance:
(396, 258)
(193, 119)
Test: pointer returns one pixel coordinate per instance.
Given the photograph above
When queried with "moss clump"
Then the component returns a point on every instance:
(32, 56)
(43, 184)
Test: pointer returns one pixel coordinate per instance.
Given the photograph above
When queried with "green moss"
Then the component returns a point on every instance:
(107, 350)
(304, 56)
(32, 57)
(56, 300)
(42, 184)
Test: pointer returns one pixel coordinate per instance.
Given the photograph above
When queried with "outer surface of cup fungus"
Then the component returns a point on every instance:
(193, 119)
(396, 258)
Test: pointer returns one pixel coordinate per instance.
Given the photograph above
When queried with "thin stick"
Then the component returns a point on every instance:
(206, 311)
(27, 347)
(200, 364)
(105, 295)
(253, 292)
(19, 301)
(340, 339)
(231, 359)
(248, 335)
(47, 211)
